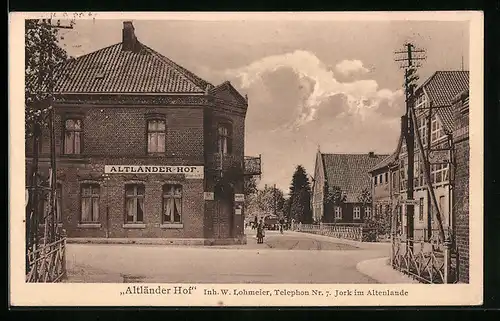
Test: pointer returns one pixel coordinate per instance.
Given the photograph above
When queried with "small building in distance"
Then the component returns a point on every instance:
(385, 187)
(340, 183)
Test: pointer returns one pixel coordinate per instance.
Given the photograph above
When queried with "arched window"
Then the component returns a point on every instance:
(224, 139)
(172, 204)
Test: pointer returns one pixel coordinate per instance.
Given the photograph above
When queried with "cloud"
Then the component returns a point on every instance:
(347, 67)
(320, 83)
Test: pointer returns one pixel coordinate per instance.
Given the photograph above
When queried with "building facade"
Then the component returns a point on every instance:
(434, 111)
(145, 148)
(341, 190)
(461, 195)
(385, 188)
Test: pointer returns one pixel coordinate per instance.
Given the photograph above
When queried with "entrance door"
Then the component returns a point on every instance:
(223, 212)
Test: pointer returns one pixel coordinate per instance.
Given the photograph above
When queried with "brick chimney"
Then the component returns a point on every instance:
(129, 40)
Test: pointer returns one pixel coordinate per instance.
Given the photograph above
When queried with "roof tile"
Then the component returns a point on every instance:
(442, 88)
(113, 70)
(349, 172)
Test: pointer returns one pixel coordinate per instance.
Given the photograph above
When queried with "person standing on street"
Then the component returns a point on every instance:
(260, 232)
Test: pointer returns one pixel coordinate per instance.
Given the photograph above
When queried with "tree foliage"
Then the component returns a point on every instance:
(334, 197)
(269, 200)
(300, 196)
(42, 55)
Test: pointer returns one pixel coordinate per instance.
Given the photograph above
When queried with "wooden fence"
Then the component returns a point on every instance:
(429, 261)
(355, 232)
(47, 262)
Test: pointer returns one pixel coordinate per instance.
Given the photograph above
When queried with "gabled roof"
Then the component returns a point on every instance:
(349, 172)
(389, 160)
(442, 87)
(227, 92)
(113, 70)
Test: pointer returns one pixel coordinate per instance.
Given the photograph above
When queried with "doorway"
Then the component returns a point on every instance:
(223, 212)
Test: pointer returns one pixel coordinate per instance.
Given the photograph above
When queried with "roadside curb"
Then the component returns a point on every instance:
(362, 245)
(159, 241)
(379, 270)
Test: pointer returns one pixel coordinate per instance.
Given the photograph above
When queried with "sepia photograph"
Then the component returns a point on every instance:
(176, 154)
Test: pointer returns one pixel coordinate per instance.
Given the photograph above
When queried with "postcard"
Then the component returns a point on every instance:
(246, 159)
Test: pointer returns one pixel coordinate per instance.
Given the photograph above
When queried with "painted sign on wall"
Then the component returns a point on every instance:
(193, 172)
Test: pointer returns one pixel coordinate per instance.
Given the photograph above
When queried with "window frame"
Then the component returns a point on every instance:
(421, 209)
(226, 137)
(93, 197)
(356, 213)
(166, 196)
(337, 212)
(137, 197)
(368, 212)
(158, 132)
(80, 132)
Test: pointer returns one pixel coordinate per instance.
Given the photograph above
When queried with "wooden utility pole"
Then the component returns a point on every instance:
(410, 58)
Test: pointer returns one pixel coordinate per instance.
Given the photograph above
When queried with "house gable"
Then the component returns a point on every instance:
(229, 94)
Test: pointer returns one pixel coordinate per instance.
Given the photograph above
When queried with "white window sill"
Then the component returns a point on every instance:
(172, 225)
(89, 225)
(134, 225)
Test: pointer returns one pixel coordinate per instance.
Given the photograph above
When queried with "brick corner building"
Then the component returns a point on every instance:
(461, 203)
(145, 149)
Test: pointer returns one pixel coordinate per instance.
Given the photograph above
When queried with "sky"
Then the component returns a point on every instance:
(332, 85)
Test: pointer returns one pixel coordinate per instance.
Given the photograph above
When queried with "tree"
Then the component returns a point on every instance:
(334, 197)
(42, 56)
(249, 189)
(300, 196)
(269, 200)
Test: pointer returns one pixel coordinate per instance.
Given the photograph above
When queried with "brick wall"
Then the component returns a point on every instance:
(117, 135)
(461, 197)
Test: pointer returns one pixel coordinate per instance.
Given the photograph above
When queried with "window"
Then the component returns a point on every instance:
(368, 212)
(134, 198)
(422, 129)
(357, 213)
(72, 136)
(386, 178)
(90, 203)
(439, 173)
(436, 130)
(421, 210)
(224, 140)
(156, 136)
(394, 180)
(442, 206)
(375, 180)
(381, 178)
(172, 204)
(338, 212)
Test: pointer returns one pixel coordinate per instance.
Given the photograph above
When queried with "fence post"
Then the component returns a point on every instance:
(447, 261)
